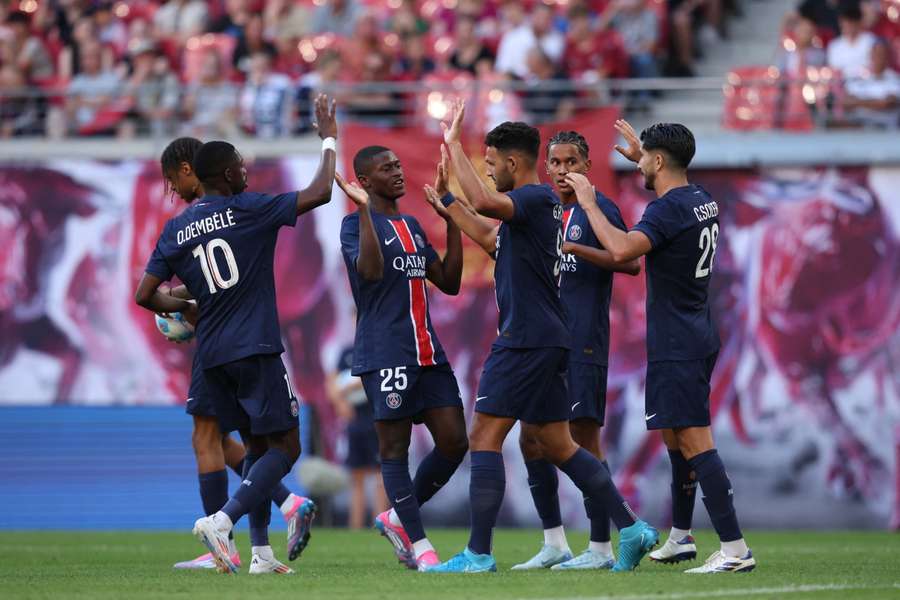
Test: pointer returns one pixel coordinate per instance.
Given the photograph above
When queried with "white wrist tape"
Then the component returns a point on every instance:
(329, 143)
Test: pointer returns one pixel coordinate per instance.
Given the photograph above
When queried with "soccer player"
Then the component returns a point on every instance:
(586, 279)
(222, 248)
(678, 233)
(397, 353)
(524, 376)
(213, 450)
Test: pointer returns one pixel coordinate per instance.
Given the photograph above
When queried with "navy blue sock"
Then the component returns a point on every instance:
(593, 479)
(280, 494)
(718, 494)
(433, 473)
(399, 488)
(486, 488)
(259, 515)
(258, 484)
(544, 485)
(213, 491)
(684, 490)
(596, 512)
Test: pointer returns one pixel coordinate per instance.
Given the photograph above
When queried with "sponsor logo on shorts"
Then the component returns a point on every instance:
(393, 400)
(295, 408)
(574, 232)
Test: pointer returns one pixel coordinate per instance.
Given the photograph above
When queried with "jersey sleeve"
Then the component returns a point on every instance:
(612, 214)
(350, 239)
(525, 205)
(428, 250)
(158, 266)
(275, 211)
(660, 223)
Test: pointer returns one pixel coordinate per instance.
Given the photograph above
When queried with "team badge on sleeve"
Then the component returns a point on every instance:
(295, 408)
(419, 241)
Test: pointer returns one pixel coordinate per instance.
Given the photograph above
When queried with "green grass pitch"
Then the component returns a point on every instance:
(342, 564)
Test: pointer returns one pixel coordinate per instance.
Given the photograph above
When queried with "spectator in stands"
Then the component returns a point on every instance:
(543, 100)
(873, 98)
(84, 32)
(367, 39)
(154, 90)
(19, 111)
(470, 50)
(849, 53)
(320, 81)
(512, 53)
(369, 102)
(337, 16)
(407, 20)
(92, 89)
(286, 21)
(237, 13)
(639, 30)
(25, 51)
(413, 63)
(111, 31)
(682, 16)
(251, 42)
(181, 19)
(210, 103)
(266, 100)
(823, 14)
(799, 50)
(583, 58)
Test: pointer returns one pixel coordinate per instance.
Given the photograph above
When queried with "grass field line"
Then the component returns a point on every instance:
(756, 591)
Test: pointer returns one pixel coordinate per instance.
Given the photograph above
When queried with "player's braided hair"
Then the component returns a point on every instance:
(570, 137)
(178, 151)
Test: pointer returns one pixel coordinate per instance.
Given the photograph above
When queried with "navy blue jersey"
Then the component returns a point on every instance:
(683, 227)
(585, 288)
(393, 327)
(223, 249)
(526, 276)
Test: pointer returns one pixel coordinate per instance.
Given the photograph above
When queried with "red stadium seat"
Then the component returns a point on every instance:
(198, 45)
(750, 98)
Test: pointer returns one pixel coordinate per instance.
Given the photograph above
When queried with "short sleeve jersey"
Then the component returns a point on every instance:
(526, 274)
(585, 288)
(393, 324)
(223, 249)
(683, 228)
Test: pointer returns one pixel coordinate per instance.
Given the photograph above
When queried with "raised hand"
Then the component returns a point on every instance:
(633, 151)
(453, 131)
(433, 197)
(442, 178)
(326, 123)
(358, 195)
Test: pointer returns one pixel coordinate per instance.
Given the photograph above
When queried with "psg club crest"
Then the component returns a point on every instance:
(419, 241)
(295, 408)
(574, 232)
(394, 400)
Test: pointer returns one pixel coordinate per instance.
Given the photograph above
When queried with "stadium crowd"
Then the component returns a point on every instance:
(83, 67)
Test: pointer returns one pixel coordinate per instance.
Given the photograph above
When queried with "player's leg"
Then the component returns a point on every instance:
(680, 546)
(544, 486)
(380, 502)
(447, 426)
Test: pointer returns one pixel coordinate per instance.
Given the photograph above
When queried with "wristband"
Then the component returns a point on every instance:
(329, 143)
(448, 199)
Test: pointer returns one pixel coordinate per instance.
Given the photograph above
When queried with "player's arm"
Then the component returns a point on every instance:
(370, 261)
(486, 201)
(445, 273)
(623, 246)
(149, 297)
(318, 192)
(602, 258)
(181, 292)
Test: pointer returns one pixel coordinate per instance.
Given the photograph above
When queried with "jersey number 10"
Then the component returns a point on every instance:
(709, 239)
(209, 264)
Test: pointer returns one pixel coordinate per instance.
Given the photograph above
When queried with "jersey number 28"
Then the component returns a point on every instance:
(709, 239)
(209, 264)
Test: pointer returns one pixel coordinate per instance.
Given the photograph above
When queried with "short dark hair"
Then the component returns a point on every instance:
(515, 135)
(212, 159)
(850, 10)
(570, 137)
(19, 16)
(362, 162)
(178, 151)
(674, 139)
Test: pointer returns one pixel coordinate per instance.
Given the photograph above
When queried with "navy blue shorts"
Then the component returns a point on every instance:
(406, 392)
(528, 384)
(253, 393)
(587, 391)
(199, 402)
(362, 441)
(678, 393)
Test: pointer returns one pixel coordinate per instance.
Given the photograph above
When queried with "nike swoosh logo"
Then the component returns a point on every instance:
(479, 398)
(574, 405)
(648, 417)
(396, 501)
(387, 242)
